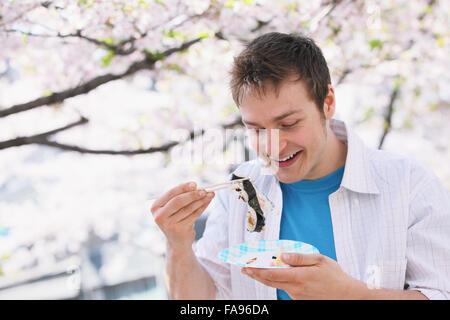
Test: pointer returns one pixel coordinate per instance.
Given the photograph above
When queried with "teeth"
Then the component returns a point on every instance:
(285, 159)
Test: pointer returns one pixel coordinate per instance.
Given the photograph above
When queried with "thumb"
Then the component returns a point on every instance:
(299, 259)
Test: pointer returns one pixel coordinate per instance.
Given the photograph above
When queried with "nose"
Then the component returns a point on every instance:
(276, 143)
(268, 142)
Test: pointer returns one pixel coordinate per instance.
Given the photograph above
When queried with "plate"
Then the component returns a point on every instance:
(262, 253)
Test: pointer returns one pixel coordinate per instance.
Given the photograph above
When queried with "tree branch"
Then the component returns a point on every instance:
(118, 49)
(39, 138)
(147, 63)
(394, 94)
(164, 148)
(332, 5)
(121, 47)
(343, 75)
(43, 139)
(388, 116)
(19, 16)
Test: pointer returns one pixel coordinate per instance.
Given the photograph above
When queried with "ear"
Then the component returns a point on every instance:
(329, 104)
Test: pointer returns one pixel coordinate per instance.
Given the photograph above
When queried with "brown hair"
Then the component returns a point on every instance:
(274, 57)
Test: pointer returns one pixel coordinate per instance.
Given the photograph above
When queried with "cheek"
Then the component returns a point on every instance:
(307, 139)
(302, 138)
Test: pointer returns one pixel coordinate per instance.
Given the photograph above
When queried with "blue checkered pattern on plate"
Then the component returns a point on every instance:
(236, 253)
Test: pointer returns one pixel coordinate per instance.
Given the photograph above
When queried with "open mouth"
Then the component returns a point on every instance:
(285, 162)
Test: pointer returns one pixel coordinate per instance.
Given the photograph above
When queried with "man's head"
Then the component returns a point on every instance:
(281, 81)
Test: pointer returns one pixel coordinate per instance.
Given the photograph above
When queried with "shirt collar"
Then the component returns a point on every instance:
(358, 176)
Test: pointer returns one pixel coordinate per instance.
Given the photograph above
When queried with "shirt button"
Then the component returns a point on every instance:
(355, 201)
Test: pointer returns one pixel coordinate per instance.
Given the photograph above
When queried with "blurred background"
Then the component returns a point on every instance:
(98, 96)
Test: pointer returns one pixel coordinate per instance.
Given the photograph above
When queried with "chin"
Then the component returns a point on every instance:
(288, 178)
(296, 172)
(292, 174)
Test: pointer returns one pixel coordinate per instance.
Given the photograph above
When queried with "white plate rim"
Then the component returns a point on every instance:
(303, 246)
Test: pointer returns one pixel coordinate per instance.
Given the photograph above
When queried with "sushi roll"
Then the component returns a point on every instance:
(247, 192)
(265, 204)
(252, 219)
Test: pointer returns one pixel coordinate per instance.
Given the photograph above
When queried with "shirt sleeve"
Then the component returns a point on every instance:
(214, 239)
(428, 239)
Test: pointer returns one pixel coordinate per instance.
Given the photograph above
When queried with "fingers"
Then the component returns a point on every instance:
(268, 279)
(176, 211)
(287, 274)
(191, 212)
(273, 275)
(190, 219)
(182, 188)
(183, 201)
(182, 210)
(298, 259)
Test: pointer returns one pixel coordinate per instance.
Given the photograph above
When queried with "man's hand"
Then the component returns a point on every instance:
(313, 276)
(176, 211)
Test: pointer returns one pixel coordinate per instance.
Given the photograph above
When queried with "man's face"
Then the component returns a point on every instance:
(302, 129)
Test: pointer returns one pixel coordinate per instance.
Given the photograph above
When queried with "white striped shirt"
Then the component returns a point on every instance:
(390, 216)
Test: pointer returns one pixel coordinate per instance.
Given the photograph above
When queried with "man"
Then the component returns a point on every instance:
(380, 221)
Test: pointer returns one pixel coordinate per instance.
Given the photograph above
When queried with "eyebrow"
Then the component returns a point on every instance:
(276, 119)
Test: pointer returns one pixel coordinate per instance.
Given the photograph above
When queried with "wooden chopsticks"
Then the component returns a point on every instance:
(214, 187)
(223, 185)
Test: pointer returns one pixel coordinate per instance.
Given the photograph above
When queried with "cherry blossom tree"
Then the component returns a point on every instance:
(63, 64)
(86, 44)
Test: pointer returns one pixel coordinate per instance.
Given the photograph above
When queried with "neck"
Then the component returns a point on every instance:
(333, 156)
(337, 151)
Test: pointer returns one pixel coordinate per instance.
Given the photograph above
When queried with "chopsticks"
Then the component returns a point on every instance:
(214, 187)
(222, 185)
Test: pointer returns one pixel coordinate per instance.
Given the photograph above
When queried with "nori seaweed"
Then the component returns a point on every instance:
(253, 202)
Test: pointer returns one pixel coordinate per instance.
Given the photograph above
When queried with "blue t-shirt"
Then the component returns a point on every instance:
(306, 214)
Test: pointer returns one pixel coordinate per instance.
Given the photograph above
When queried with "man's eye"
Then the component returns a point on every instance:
(289, 125)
